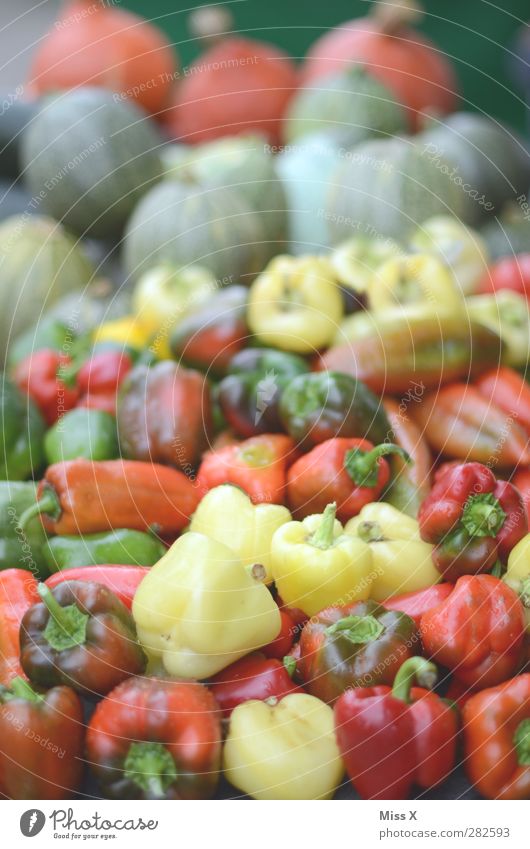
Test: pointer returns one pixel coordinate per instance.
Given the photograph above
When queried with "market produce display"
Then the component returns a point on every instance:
(265, 420)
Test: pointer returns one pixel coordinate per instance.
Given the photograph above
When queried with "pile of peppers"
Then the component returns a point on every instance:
(278, 545)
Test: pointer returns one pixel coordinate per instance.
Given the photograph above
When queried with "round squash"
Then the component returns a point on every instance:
(196, 225)
(40, 263)
(352, 101)
(89, 159)
(387, 188)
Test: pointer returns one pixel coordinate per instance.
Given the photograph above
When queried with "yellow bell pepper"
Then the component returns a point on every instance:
(402, 562)
(356, 261)
(295, 304)
(199, 610)
(285, 750)
(128, 330)
(517, 574)
(414, 279)
(227, 514)
(164, 294)
(315, 564)
(462, 249)
(508, 314)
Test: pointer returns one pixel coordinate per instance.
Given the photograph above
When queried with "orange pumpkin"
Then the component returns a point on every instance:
(102, 45)
(418, 74)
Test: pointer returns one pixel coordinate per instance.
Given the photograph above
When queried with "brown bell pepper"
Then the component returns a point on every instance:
(86, 497)
(459, 422)
(18, 592)
(497, 740)
(410, 481)
(41, 756)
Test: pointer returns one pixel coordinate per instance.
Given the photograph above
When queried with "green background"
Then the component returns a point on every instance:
(477, 34)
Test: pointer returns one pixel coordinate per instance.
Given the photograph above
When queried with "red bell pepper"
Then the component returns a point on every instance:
(18, 592)
(283, 643)
(39, 375)
(458, 693)
(508, 273)
(477, 632)
(521, 480)
(472, 519)
(156, 739)
(394, 738)
(99, 401)
(508, 390)
(123, 581)
(258, 465)
(497, 740)
(253, 677)
(103, 372)
(41, 756)
(417, 603)
(348, 472)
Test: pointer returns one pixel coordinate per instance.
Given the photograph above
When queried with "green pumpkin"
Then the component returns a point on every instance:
(387, 187)
(40, 262)
(89, 158)
(196, 225)
(351, 103)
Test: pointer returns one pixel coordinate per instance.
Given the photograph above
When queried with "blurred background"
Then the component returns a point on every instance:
(477, 34)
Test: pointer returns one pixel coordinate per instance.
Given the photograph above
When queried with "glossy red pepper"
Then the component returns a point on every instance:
(253, 677)
(417, 603)
(39, 375)
(349, 472)
(284, 641)
(258, 465)
(521, 480)
(18, 592)
(99, 401)
(472, 519)
(103, 372)
(508, 390)
(394, 738)
(123, 581)
(510, 272)
(477, 632)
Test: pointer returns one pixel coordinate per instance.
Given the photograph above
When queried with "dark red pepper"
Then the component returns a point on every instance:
(253, 677)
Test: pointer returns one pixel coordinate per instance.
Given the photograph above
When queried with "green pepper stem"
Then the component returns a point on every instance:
(325, 533)
(290, 664)
(363, 466)
(521, 741)
(151, 767)
(22, 689)
(49, 504)
(66, 626)
(359, 630)
(414, 669)
(55, 610)
(483, 515)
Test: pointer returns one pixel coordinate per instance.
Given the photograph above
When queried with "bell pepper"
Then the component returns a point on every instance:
(81, 635)
(41, 756)
(23, 549)
(18, 592)
(463, 250)
(258, 465)
(394, 738)
(295, 304)
(210, 336)
(417, 603)
(401, 560)
(350, 472)
(164, 415)
(22, 429)
(103, 372)
(39, 375)
(509, 272)
(283, 751)
(509, 391)
(472, 519)
(127, 330)
(477, 632)
(123, 581)
(315, 564)
(458, 421)
(250, 392)
(283, 643)
(356, 261)
(507, 314)
(49, 332)
(517, 574)
(521, 481)
(90, 434)
(315, 407)
(120, 546)
(164, 294)
(200, 620)
(85, 497)
(356, 645)
(155, 739)
(497, 740)
(414, 279)
(419, 343)
(252, 677)
(410, 479)
(228, 515)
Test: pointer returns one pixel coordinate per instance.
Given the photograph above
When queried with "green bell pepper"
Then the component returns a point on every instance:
(22, 431)
(20, 549)
(86, 433)
(121, 546)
